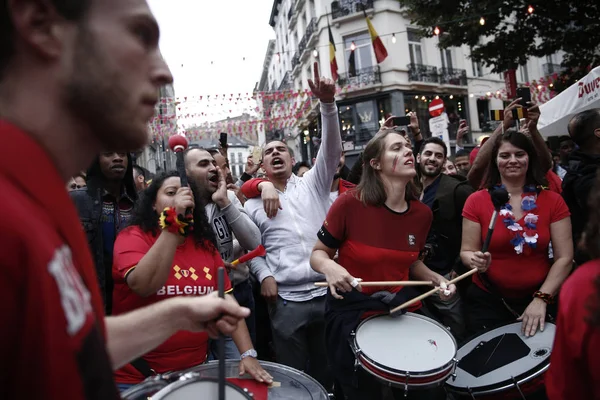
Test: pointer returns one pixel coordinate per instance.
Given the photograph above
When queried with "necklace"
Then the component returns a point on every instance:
(525, 237)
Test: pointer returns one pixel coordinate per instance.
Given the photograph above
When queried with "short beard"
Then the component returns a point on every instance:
(95, 96)
(433, 174)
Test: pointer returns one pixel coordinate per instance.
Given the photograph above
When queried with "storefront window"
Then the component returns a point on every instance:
(347, 123)
(367, 121)
(384, 107)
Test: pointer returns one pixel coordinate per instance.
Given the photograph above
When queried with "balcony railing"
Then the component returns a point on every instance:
(286, 82)
(452, 76)
(431, 74)
(549, 69)
(342, 8)
(295, 60)
(310, 29)
(366, 76)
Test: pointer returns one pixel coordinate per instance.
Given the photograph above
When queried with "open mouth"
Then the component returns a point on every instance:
(213, 178)
(276, 162)
(409, 162)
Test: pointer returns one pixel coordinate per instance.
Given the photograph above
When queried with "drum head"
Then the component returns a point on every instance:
(193, 388)
(290, 384)
(491, 360)
(407, 343)
(144, 390)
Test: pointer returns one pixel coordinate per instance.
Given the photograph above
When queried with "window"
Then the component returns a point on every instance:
(446, 56)
(240, 170)
(523, 73)
(240, 158)
(477, 70)
(232, 157)
(414, 47)
(363, 55)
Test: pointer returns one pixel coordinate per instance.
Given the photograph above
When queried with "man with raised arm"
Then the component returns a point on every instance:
(296, 306)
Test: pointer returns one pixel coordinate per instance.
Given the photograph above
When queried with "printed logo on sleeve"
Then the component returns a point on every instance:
(74, 296)
(412, 240)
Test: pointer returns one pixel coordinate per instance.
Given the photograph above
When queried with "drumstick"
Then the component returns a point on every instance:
(221, 342)
(178, 143)
(432, 291)
(385, 283)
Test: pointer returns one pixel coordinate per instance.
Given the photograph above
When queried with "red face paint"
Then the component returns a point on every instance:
(395, 163)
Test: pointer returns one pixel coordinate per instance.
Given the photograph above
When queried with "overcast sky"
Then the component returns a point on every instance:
(195, 33)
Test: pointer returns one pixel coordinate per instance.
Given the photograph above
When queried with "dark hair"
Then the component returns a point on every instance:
(371, 190)
(189, 150)
(582, 126)
(564, 138)
(71, 10)
(94, 178)
(435, 140)
(535, 173)
(590, 242)
(146, 217)
(139, 170)
(462, 153)
(299, 165)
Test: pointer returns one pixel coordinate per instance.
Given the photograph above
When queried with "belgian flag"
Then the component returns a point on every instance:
(378, 47)
(332, 61)
(518, 113)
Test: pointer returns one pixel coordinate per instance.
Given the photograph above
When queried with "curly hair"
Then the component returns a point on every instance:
(145, 217)
(590, 242)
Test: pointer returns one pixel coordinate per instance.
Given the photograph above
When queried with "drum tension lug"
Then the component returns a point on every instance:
(455, 361)
(471, 393)
(406, 385)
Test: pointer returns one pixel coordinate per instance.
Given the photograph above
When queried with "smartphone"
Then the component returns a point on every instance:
(525, 94)
(223, 140)
(401, 121)
(257, 154)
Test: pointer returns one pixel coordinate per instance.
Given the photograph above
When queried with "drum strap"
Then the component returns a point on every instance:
(143, 367)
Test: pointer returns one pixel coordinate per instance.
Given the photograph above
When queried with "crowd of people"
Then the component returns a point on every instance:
(113, 280)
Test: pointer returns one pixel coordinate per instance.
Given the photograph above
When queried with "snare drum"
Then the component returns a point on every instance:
(408, 351)
(503, 363)
(146, 389)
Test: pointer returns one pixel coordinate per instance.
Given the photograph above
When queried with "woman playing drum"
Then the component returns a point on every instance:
(155, 259)
(575, 367)
(378, 231)
(517, 280)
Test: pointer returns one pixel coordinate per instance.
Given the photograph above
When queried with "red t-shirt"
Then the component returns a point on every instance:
(554, 182)
(193, 273)
(575, 366)
(516, 275)
(376, 243)
(250, 188)
(52, 336)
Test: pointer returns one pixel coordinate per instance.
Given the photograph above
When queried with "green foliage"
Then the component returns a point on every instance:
(511, 34)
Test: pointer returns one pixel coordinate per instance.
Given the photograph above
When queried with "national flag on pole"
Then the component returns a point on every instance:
(378, 47)
(351, 64)
(332, 60)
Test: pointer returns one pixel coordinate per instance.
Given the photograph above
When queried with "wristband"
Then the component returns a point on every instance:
(173, 223)
(547, 298)
(250, 353)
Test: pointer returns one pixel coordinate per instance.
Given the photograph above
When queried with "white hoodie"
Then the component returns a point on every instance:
(289, 238)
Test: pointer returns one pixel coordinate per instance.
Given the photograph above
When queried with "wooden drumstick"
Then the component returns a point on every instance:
(432, 291)
(385, 283)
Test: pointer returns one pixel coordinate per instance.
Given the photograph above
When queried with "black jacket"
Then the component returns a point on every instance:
(89, 206)
(577, 183)
(445, 235)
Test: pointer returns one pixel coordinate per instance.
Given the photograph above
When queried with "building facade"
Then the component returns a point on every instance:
(415, 73)
(157, 156)
(238, 150)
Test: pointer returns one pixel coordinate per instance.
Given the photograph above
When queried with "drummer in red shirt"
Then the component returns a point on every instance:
(519, 280)
(378, 231)
(157, 258)
(575, 367)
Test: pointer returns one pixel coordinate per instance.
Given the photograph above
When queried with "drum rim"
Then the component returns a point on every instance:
(186, 378)
(393, 371)
(153, 381)
(194, 370)
(505, 384)
(500, 386)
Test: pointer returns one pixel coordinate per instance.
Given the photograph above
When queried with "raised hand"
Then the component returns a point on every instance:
(323, 88)
(219, 197)
(184, 199)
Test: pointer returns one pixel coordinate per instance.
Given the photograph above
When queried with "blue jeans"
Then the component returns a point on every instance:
(243, 294)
